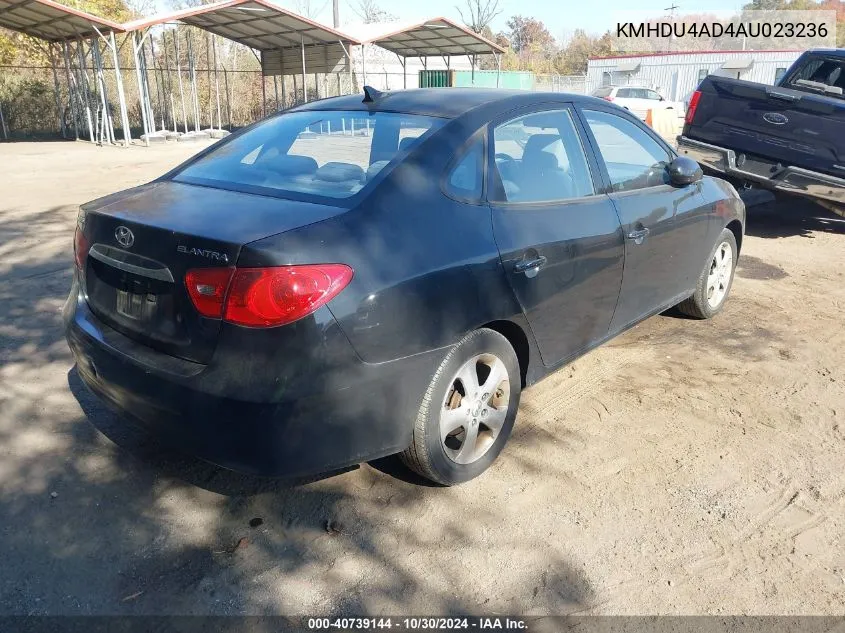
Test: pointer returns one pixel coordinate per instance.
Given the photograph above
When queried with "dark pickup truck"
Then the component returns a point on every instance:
(789, 137)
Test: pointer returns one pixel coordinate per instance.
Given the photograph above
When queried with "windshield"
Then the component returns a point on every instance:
(324, 153)
(822, 75)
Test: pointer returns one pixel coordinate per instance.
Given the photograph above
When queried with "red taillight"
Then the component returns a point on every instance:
(207, 287)
(265, 297)
(608, 98)
(693, 104)
(80, 248)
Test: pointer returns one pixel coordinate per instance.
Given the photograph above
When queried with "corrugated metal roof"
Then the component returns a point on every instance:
(254, 23)
(51, 21)
(438, 36)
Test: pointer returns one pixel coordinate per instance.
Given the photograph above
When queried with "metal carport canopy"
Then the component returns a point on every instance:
(255, 23)
(52, 21)
(436, 37)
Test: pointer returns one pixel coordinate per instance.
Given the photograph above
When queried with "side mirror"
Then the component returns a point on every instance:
(684, 171)
(662, 99)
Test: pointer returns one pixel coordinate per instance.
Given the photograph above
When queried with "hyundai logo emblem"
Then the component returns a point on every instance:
(775, 118)
(124, 236)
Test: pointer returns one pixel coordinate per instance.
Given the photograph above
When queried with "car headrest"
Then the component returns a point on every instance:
(289, 164)
(375, 168)
(339, 172)
(406, 142)
(533, 155)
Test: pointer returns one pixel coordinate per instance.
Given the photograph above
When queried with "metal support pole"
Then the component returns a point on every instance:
(498, 68)
(263, 95)
(3, 124)
(70, 91)
(208, 78)
(83, 84)
(160, 90)
(284, 96)
(108, 124)
(146, 126)
(192, 70)
(304, 77)
(317, 85)
(217, 84)
(121, 95)
(179, 74)
(169, 86)
(364, 63)
(276, 91)
(145, 74)
(59, 112)
(228, 98)
(404, 62)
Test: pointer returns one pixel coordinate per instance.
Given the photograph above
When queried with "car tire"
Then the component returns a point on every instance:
(468, 411)
(714, 283)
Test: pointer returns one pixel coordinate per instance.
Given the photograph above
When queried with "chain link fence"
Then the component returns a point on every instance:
(30, 109)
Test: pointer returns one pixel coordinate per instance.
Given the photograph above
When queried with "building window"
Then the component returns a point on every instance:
(702, 73)
(779, 73)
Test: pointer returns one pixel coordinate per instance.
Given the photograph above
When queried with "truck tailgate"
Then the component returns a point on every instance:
(795, 128)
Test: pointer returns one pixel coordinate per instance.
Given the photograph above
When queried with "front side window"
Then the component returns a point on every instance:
(652, 95)
(633, 159)
(321, 153)
(539, 158)
(702, 74)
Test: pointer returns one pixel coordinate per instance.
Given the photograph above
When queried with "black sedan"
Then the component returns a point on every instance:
(358, 277)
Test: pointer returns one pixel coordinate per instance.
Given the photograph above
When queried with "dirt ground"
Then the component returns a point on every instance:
(687, 467)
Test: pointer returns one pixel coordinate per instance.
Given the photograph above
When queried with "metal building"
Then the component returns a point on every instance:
(676, 75)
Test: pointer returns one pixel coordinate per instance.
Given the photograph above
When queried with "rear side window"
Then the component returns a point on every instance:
(327, 154)
(465, 180)
(634, 160)
(539, 158)
(823, 75)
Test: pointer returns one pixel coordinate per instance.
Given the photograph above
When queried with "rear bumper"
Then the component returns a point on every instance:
(766, 174)
(193, 407)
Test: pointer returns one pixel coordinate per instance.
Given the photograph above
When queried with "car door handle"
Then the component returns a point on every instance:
(638, 235)
(523, 266)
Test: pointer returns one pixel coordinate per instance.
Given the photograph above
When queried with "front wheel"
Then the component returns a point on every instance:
(715, 281)
(468, 411)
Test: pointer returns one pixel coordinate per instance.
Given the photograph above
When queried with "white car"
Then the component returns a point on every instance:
(638, 100)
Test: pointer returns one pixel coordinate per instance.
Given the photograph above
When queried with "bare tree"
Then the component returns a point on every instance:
(308, 8)
(371, 13)
(479, 14)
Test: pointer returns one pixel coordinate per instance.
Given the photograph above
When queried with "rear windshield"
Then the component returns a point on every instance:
(323, 153)
(822, 75)
(602, 92)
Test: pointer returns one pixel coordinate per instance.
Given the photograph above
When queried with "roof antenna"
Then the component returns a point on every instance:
(371, 94)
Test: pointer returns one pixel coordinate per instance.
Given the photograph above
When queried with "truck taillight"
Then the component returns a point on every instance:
(265, 297)
(608, 98)
(80, 248)
(693, 104)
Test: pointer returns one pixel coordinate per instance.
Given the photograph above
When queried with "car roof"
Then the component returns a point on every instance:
(832, 52)
(441, 102)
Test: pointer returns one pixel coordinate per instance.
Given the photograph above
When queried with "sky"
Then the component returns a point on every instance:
(561, 17)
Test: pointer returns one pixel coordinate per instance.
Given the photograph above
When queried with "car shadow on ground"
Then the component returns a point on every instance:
(770, 216)
(100, 518)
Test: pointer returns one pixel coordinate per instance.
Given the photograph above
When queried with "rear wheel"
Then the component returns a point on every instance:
(468, 410)
(715, 281)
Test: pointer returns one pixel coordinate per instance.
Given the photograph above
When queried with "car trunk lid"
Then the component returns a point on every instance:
(144, 241)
